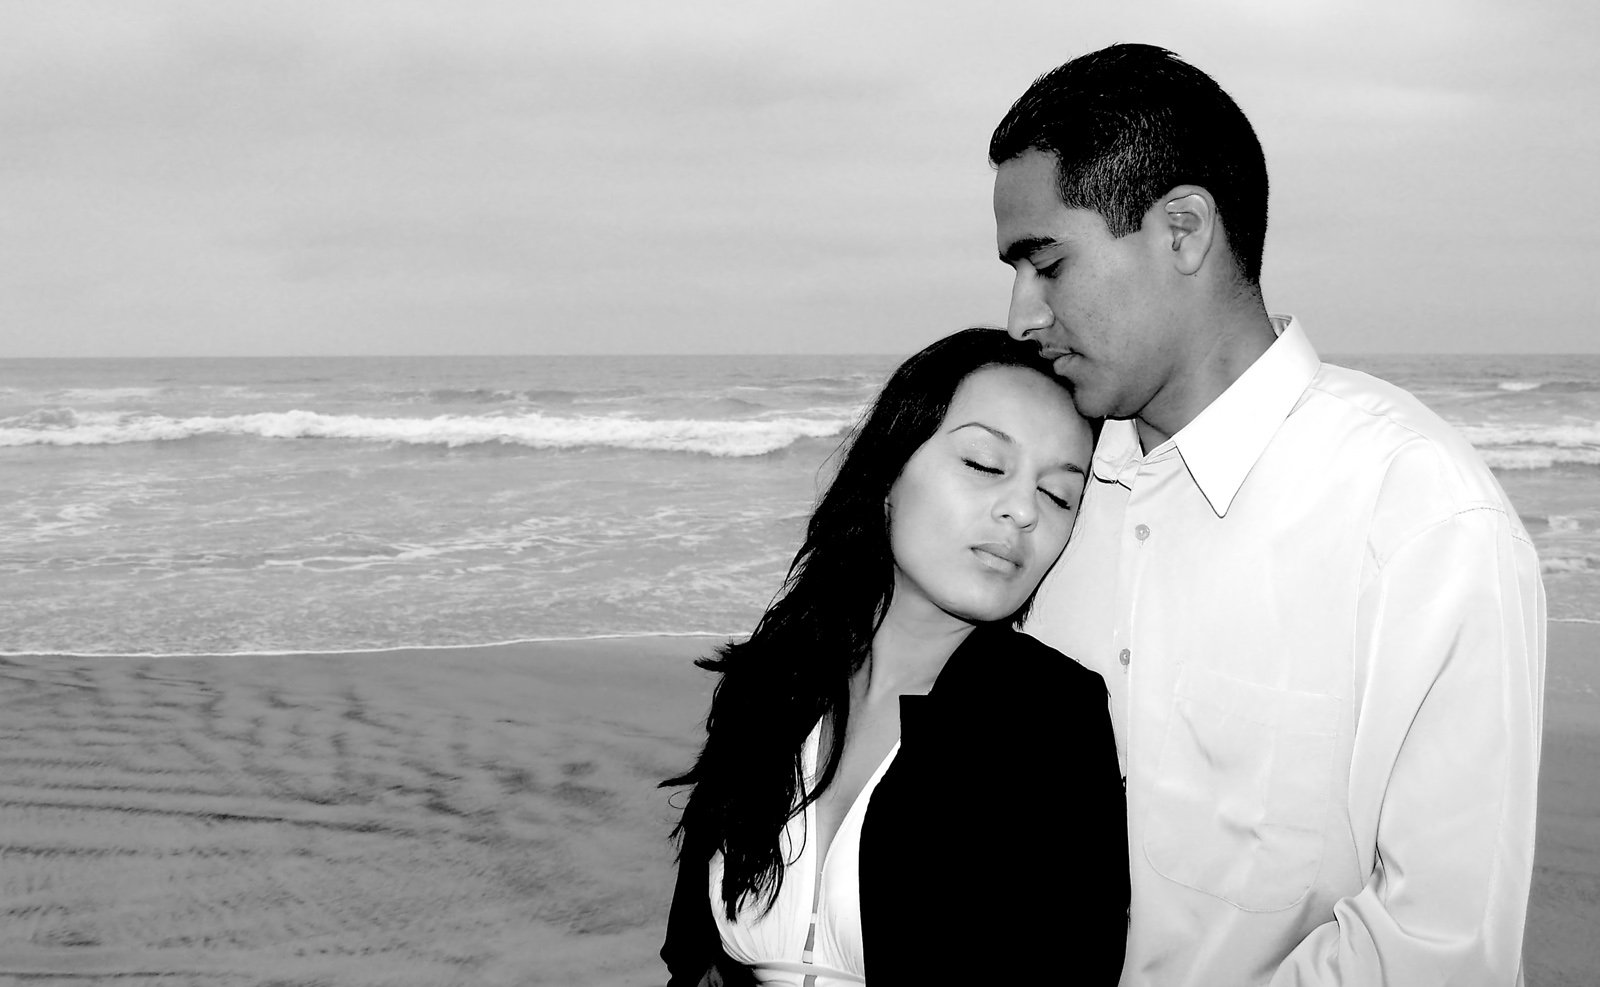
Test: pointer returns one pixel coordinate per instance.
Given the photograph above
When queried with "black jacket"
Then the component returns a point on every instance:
(994, 849)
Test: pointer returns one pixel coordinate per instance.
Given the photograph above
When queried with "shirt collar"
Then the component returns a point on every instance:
(1223, 442)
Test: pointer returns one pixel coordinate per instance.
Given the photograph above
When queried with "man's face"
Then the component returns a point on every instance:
(1098, 305)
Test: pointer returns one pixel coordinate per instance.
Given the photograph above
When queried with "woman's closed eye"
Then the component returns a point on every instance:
(1061, 502)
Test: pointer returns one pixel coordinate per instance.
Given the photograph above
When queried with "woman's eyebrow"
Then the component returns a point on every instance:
(987, 428)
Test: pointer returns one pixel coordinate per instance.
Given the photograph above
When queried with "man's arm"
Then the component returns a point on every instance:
(1449, 700)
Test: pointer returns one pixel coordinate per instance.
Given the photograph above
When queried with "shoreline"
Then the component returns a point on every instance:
(481, 646)
(391, 649)
(479, 815)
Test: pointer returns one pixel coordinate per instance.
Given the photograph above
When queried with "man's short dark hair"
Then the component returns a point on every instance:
(1128, 123)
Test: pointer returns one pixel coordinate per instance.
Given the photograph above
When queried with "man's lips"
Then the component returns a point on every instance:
(1058, 358)
(998, 555)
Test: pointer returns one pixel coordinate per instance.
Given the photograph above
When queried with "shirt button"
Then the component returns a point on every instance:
(1123, 657)
(1142, 532)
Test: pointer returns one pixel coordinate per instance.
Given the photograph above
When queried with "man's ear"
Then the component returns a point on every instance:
(1191, 223)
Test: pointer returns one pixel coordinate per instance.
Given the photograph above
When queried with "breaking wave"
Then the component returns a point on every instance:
(1513, 447)
(753, 437)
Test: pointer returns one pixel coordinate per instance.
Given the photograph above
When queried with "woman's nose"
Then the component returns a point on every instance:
(1016, 504)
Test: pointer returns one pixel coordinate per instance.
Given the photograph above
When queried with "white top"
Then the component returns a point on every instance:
(1323, 631)
(812, 935)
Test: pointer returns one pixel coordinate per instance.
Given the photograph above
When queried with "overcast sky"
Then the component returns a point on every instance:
(419, 176)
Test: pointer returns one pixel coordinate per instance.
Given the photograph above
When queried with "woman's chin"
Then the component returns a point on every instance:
(984, 612)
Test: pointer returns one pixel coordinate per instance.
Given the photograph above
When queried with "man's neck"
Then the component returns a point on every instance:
(1238, 341)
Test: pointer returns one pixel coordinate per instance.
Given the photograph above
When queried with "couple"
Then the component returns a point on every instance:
(1308, 629)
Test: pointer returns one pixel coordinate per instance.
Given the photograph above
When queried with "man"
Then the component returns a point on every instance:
(1320, 621)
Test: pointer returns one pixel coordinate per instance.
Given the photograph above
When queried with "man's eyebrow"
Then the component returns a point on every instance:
(1026, 247)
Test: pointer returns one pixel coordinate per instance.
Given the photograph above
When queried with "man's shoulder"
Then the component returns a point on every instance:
(1398, 415)
(1429, 470)
(1386, 421)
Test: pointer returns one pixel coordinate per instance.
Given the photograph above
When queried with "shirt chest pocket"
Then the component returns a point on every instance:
(1239, 798)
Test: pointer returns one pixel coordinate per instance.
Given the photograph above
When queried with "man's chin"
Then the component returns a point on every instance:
(1088, 403)
(1070, 370)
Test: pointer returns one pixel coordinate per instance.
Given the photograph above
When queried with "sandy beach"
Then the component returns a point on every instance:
(479, 816)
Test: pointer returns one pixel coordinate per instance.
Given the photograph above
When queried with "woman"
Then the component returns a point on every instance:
(889, 768)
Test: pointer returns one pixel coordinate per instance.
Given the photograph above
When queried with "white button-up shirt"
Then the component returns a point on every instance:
(1323, 631)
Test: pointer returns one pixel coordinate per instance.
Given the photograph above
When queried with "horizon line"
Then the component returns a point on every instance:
(725, 353)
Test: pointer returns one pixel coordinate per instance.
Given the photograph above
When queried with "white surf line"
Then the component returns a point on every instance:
(633, 635)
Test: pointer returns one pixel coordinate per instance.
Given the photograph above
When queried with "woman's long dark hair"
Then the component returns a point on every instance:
(797, 665)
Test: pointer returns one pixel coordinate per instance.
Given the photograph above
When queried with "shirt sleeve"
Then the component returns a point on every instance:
(693, 944)
(1449, 686)
(1065, 844)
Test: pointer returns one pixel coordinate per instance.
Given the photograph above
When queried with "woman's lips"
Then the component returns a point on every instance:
(999, 556)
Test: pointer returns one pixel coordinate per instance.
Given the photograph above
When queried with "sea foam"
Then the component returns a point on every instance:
(1528, 447)
(1539, 457)
(750, 437)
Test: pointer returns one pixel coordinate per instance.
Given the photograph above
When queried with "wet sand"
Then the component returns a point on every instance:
(481, 816)
(478, 816)
(1562, 946)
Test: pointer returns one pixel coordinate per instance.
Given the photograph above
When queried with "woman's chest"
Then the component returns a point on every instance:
(870, 738)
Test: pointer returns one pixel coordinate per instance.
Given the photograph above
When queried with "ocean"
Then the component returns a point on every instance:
(215, 506)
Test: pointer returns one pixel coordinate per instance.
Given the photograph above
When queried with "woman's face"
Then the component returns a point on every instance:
(984, 507)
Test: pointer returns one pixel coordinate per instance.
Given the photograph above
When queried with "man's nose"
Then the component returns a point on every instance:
(1029, 313)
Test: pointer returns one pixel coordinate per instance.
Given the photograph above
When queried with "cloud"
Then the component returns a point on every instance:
(348, 177)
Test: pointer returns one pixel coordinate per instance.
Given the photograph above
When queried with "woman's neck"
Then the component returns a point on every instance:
(909, 651)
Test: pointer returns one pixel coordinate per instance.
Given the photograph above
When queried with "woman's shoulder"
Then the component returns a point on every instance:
(1027, 670)
(1036, 656)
